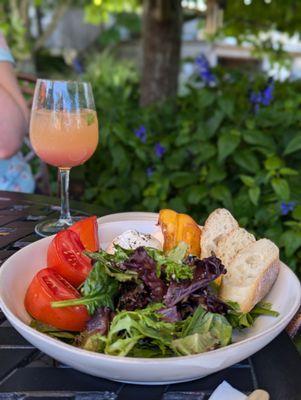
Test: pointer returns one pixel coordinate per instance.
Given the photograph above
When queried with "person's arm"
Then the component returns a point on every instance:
(14, 114)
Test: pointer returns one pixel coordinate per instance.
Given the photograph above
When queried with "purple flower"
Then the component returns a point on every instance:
(141, 133)
(159, 150)
(150, 171)
(204, 71)
(267, 93)
(263, 97)
(286, 208)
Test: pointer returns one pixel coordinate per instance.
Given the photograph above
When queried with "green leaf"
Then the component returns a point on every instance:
(204, 323)
(226, 144)
(52, 331)
(110, 263)
(227, 105)
(254, 193)
(294, 145)
(247, 160)
(247, 180)
(178, 253)
(196, 193)
(98, 290)
(214, 123)
(194, 344)
(173, 267)
(222, 194)
(130, 327)
(203, 152)
(260, 139)
(92, 342)
(281, 188)
(239, 320)
(291, 240)
(272, 163)
(182, 179)
(288, 171)
(215, 173)
(297, 213)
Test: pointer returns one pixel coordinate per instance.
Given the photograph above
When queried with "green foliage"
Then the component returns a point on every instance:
(239, 320)
(218, 152)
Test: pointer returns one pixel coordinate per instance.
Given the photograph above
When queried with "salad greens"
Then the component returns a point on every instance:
(240, 320)
(174, 268)
(98, 290)
(146, 303)
(53, 332)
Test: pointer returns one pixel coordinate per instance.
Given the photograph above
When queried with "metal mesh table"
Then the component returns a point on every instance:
(26, 373)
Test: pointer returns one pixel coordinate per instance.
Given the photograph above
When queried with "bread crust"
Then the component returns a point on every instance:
(209, 244)
(248, 296)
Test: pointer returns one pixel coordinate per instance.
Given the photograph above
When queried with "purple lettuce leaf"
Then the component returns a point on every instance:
(133, 296)
(145, 266)
(170, 314)
(100, 321)
(205, 271)
(209, 301)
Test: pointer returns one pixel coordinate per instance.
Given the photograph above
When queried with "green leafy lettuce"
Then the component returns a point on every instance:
(140, 332)
(98, 290)
(202, 332)
(172, 262)
(240, 320)
(52, 331)
(195, 344)
(92, 342)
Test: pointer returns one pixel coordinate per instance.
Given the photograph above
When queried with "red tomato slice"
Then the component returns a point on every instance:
(87, 229)
(48, 286)
(65, 255)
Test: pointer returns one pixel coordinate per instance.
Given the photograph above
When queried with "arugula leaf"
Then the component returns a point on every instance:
(111, 261)
(240, 320)
(52, 331)
(98, 290)
(194, 344)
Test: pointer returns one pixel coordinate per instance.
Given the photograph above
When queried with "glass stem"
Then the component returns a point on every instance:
(65, 216)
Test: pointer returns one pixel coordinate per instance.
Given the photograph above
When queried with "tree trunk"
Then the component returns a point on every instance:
(162, 23)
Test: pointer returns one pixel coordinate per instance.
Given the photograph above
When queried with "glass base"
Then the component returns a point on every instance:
(53, 226)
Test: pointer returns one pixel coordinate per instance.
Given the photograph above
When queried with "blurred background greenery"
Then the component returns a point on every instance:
(198, 103)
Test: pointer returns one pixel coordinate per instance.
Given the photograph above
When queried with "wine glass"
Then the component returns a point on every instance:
(63, 133)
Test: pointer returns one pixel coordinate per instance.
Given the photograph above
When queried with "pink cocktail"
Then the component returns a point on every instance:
(63, 133)
(64, 139)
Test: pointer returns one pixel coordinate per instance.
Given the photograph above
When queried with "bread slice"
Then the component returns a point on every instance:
(251, 274)
(229, 245)
(219, 223)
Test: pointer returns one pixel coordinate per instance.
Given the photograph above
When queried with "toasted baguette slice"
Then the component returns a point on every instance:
(219, 223)
(251, 274)
(229, 245)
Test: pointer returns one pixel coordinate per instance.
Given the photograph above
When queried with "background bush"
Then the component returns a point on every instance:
(235, 143)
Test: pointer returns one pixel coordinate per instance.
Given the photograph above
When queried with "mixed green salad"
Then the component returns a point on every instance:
(146, 303)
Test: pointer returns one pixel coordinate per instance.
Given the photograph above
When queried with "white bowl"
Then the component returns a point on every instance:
(17, 272)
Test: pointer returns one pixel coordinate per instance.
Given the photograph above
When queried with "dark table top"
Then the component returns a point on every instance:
(26, 373)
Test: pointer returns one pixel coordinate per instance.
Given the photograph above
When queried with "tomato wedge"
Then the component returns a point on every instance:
(65, 255)
(48, 286)
(87, 229)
